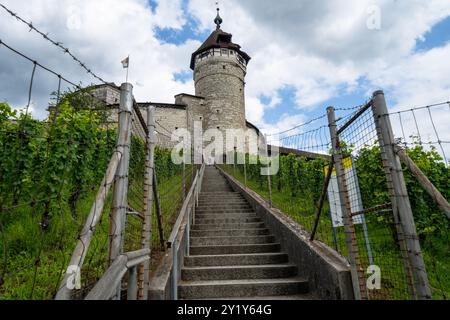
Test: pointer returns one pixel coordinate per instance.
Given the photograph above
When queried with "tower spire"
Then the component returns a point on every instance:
(218, 20)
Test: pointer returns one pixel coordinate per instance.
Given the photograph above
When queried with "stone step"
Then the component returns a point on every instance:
(209, 241)
(201, 216)
(228, 195)
(220, 194)
(223, 220)
(241, 288)
(236, 259)
(224, 211)
(230, 233)
(227, 226)
(208, 202)
(225, 205)
(208, 193)
(273, 271)
(235, 249)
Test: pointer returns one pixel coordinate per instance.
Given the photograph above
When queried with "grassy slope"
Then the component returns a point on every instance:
(33, 262)
(385, 253)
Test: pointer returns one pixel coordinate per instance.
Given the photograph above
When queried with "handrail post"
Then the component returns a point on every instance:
(245, 171)
(132, 284)
(174, 269)
(357, 274)
(120, 195)
(399, 195)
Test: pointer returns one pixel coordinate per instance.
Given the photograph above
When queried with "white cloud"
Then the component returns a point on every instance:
(320, 48)
(101, 33)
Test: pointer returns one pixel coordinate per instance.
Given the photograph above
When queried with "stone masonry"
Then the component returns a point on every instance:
(219, 68)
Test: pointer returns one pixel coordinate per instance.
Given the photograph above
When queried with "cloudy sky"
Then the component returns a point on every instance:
(306, 55)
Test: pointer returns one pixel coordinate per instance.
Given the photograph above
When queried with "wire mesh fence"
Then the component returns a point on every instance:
(49, 171)
(306, 158)
(376, 232)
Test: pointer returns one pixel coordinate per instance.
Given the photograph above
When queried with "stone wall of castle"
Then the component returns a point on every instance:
(220, 80)
(168, 119)
(107, 94)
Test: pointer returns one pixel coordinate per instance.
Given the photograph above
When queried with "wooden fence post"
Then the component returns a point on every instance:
(358, 276)
(399, 195)
(120, 194)
(146, 243)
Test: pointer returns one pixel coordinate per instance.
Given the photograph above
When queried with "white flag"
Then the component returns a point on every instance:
(126, 63)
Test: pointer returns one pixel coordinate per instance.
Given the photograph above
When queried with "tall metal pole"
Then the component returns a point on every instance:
(403, 216)
(234, 161)
(146, 237)
(158, 212)
(269, 172)
(245, 170)
(120, 193)
(358, 277)
(184, 174)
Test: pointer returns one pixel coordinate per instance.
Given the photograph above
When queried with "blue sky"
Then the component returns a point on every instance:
(306, 55)
(287, 104)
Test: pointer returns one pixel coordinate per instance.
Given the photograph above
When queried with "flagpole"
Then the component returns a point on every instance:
(128, 68)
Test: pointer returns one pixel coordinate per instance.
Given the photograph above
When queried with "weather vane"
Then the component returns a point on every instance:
(218, 20)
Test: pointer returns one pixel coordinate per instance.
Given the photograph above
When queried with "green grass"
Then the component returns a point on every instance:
(385, 252)
(32, 262)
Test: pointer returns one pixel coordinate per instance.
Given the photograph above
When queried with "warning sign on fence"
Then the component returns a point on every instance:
(353, 192)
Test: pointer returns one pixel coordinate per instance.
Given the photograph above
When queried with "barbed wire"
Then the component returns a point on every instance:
(319, 118)
(298, 126)
(422, 107)
(56, 43)
(49, 70)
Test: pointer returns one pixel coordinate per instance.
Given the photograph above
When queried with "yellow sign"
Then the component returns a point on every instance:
(347, 163)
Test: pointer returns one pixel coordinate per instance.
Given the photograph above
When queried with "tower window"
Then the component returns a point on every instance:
(201, 118)
(218, 111)
(176, 128)
(218, 128)
(224, 67)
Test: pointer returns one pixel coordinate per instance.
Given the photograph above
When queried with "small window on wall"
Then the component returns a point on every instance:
(218, 128)
(224, 67)
(218, 111)
(176, 128)
(201, 118)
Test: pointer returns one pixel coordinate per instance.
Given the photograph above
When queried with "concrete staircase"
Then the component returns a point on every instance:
(232, 253)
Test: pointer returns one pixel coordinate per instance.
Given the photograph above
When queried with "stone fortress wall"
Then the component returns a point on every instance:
(220, 80)
(219, 69)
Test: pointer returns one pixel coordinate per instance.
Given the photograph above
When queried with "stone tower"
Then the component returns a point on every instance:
(220, 67)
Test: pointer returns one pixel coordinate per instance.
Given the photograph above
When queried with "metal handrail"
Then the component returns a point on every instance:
(184, 209)
(188, 209)
(106, 287)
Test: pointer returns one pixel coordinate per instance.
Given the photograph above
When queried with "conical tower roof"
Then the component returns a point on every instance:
(219, 39)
